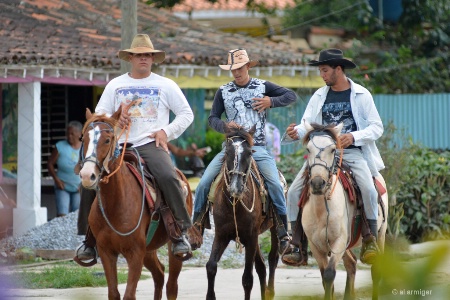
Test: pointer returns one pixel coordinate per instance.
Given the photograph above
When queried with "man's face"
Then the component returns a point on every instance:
(141, 63)
(241, 75)
(328, 74)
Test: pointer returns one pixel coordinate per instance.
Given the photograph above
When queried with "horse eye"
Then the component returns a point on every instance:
(107, 141)
(333, 150)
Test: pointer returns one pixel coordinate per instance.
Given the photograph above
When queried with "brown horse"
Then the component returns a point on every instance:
(238, 215)
(120, 216)
(328, 214)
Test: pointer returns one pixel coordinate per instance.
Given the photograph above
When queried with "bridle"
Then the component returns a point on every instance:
(332, 170)
(93, 157)
(112, 155)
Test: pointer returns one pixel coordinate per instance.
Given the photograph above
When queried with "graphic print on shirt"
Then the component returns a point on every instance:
(337, 109)
(147, 105)
(238, 106)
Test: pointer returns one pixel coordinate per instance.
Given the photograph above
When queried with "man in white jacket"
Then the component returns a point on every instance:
(342, 101)
(150, 129)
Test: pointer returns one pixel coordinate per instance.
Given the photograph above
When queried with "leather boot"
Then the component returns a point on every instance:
(369, 249)
(282, 233)
(182, 247)
(299, 254)
(86, 254)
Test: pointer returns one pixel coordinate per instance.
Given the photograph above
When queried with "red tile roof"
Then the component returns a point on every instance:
(189, 5)
(81, 33)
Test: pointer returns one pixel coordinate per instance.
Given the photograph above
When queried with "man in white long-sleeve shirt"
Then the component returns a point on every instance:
(150, 129)
(342, 101)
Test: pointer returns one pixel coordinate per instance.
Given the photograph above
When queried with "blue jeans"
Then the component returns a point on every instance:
(66, 201)
(267, 167)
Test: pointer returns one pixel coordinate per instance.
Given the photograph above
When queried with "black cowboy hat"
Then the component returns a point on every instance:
(332, 57)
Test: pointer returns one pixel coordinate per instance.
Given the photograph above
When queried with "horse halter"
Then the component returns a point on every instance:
(331, 169)
(237, 145)
(93, 157)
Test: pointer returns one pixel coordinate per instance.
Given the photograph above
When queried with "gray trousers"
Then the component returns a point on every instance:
(362, 175)
(161, 167)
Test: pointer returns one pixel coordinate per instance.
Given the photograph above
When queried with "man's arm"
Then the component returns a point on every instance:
(279, 96)
(214, 119)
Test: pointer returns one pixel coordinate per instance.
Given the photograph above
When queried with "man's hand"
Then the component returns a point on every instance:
(125, 118)
(160, 139)
(346, 140)
(260, 104)
(292, 132)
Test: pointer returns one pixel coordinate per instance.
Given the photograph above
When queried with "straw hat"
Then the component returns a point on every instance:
(333, 57)
(142, 44)
(236, 59)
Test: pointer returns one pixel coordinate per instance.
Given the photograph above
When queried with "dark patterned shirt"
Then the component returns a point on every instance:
(337, 109)
(236, 101)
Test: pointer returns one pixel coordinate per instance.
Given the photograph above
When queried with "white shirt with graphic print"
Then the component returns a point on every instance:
(158, 96)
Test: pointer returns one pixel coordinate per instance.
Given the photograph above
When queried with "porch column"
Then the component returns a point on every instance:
(29, 212)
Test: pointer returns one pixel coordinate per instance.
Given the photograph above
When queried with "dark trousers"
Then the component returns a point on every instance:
(86, 199)
(161, 167)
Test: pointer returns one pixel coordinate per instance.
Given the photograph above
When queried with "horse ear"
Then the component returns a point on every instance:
(117, 114)
(252, 130)
(308, 126)
(337, 129)
(88, 114)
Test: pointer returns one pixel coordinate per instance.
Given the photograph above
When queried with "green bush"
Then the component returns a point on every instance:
(291, 164)
(214, 139)
(417, 180)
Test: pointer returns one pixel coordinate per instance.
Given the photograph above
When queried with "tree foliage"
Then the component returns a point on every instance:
(407, 56)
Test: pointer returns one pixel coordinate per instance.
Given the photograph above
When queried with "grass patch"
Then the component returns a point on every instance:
(61, 277)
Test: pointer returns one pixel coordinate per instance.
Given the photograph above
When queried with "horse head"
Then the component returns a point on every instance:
(321, 144)
(238, 158)
(99, 147)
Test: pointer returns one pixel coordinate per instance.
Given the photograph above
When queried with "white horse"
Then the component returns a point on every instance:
(328, 213)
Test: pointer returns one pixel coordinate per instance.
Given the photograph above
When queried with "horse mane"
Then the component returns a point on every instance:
(327, 129)
(99, 118)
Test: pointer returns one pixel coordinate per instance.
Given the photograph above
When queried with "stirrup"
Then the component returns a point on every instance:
(369, 251)
(91, 260)
(295, 258)
(284, 245)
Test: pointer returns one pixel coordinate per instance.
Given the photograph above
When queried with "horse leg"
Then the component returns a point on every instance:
(327, 272)
(273, 262)
(350, 265)
(247, 277)
(218, 247)
(376, 277)
(175, 265)
(152, 263)
(135, 261)
(109, 262)
(262, 273)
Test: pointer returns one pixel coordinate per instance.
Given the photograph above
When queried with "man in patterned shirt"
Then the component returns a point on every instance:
(244, 102)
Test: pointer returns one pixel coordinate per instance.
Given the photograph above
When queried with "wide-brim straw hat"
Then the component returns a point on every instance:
(236, 59)
(332, 57)
(142, 44)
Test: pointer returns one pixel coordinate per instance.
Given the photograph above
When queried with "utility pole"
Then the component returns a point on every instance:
(128, 28)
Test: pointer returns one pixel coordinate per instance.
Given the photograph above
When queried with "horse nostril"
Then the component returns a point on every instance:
(92, 177)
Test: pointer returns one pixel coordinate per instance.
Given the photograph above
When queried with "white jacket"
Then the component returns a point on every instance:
(368, 122)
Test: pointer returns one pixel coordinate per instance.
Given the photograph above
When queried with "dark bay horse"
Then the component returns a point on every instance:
(119, 217)
(328, 214)
(238, 215)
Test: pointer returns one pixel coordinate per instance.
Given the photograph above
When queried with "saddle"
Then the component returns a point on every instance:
(204, 221)
(352, 193)
(156, 203)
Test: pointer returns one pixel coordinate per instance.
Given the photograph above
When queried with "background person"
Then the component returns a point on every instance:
(65, 157)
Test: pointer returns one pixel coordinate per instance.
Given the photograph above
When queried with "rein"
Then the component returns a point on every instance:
(331, 172)
(106, 179)
(239, 199)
